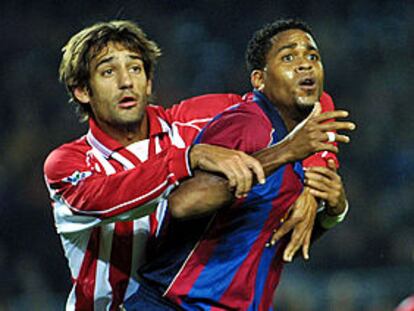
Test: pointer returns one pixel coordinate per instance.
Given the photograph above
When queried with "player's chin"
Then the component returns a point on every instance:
(307, 101)
(308, 97)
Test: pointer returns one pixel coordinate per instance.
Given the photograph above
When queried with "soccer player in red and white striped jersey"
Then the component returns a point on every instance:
(106, 185)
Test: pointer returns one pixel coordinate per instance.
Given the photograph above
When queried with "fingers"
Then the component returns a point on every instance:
(318, 172)
(293, 246)
(306, 245)
(323, 146)
(316, 111)
(256, 167)
(336, 114)
(317, 184)
(332, 165)
(301, 238)
(242, 176)
(319, 194)
(337, 125)
(238, 167)
(285, 228)
(244, 168)
(340, 138)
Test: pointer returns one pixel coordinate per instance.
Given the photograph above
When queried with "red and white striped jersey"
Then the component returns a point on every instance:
(105, 197)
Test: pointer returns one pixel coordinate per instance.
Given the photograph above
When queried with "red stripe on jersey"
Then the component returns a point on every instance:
(244, 280)
(121, 256)
(85, 282)
(191, 269)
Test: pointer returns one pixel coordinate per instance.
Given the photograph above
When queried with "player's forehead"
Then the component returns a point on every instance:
(113, 50)
(291, 39)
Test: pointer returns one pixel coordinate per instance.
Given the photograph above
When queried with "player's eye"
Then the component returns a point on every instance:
(313, 57)
(136, 69)
(287, 58)
(107, 72)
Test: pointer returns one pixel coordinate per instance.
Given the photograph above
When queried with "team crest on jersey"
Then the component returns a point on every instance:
(76, 177)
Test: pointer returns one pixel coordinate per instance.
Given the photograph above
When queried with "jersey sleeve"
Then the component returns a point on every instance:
(321, 158)
(201, 108)
(84, 197)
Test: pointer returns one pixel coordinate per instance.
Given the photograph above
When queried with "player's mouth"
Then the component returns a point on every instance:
(307, 84)
(127, 102)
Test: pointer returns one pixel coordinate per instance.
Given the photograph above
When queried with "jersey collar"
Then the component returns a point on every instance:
(270, 110)
(108, 145)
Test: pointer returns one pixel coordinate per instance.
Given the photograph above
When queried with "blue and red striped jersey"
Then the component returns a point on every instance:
(220, 262)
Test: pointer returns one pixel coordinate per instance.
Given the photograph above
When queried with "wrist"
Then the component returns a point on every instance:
(328, 221)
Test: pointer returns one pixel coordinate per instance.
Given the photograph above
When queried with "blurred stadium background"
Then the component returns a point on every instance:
(368, 51)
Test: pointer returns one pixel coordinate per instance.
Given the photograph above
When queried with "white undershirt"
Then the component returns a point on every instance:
(140, 149)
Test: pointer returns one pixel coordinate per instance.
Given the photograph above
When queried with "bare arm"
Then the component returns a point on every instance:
(205, 192)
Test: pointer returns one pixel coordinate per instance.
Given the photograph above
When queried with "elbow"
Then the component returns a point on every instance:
(178, 208)
(179, 213)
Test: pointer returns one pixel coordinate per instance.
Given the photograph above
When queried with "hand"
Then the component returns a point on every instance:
(326, 184)
(301, 220)
(311, 135)
(238, 167)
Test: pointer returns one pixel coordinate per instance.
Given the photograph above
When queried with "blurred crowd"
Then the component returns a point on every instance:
(367, 47)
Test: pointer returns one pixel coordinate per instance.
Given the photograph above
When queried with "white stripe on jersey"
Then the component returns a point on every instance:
(192, 123)
(109, 169)
(124, 161)
(141, 231)
(103, 289)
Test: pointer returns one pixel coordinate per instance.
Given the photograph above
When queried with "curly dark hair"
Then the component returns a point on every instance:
(261, 42)
(86, 44)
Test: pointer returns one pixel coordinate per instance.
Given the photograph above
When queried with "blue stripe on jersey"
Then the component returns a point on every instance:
(242, 230)
(277, 123)
(261, 276)
(268, 108)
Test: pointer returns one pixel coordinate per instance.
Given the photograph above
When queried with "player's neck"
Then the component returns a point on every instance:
(127, 134)
(292, 116)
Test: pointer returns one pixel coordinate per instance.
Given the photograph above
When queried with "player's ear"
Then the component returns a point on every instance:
(82, 94)
(257, 79)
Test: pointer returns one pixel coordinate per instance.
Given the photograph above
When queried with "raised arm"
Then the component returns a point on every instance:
(205, 193)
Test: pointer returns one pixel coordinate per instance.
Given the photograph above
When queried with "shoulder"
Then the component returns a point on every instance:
(244, 127)
(200, 107)
(65, 157)
(246, 114)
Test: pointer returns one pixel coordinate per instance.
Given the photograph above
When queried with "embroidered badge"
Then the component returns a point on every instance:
(76, 177)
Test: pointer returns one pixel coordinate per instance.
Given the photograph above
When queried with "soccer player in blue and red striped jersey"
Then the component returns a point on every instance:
(219, 261)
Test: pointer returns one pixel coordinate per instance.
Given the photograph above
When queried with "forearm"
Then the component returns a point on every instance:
(199, 195)
(273, 157)
(206, 192)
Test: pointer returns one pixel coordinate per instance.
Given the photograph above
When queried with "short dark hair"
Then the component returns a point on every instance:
(86, 44)
(261, 42)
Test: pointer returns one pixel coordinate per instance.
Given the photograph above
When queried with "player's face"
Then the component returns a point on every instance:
(118, 87)
(294, 72)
